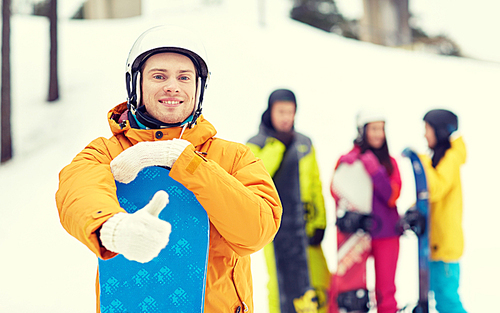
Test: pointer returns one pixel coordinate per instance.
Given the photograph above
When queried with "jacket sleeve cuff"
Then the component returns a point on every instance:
(108, 230)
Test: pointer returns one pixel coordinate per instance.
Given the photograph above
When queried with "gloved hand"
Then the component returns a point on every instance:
(308, 303)
(130, 162)
(370, 162)
(414, 220)
(408, 150)
(350, 157)
(139, 236)
(317, 237)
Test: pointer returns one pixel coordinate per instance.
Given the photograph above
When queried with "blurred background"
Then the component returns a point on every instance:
(63, 65)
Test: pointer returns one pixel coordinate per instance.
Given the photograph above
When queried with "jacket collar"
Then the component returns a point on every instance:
(202, 131)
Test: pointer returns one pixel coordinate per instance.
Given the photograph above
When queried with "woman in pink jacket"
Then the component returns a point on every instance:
(370, 147)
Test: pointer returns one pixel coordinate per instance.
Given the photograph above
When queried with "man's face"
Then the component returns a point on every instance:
(283, 115)
(169, 87)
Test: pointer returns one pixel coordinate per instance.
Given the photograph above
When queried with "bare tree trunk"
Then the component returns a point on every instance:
(6, 148)
(262, 12)
(53, 78)
(386, 22)
(403, 7)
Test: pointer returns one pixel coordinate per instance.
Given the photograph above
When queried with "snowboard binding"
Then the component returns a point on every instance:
(350, 222)
(354, 301)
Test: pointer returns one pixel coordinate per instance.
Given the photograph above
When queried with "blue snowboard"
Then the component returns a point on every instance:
(175, 280)
(422, 206)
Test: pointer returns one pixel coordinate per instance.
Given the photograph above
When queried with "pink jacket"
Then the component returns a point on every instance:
(386, 190)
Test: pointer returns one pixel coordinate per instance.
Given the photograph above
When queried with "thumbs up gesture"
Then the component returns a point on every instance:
(139, 236)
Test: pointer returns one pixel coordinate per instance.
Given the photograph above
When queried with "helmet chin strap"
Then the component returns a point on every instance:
(137, 81)
(199, 98)
(183, 129)
(152, 123)
(196, 109)
(133, 96)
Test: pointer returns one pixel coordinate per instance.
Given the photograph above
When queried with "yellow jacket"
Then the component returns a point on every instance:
(311, 193)
(445, 199)
(230, 183)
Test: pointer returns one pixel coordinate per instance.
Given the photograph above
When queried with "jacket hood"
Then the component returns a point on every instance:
(277, 95)
(266, 129)
(458, 145)
(119, 124)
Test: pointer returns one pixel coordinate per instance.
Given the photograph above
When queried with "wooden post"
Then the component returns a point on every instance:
(6, 147)
(386, 22)
(262, 12)
(53, 77)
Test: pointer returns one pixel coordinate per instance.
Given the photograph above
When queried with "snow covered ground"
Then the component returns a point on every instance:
(43, 269)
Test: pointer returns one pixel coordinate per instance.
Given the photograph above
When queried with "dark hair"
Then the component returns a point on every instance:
(439, 151)
(381, 153)
(443, 122)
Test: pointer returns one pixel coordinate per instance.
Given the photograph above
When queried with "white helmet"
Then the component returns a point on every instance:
(162, 39)
(364, 117)
(368, 116)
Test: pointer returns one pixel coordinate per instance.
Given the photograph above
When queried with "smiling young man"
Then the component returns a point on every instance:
(161, 124)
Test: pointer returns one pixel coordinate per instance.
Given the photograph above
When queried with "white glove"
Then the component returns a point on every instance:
(139, 236)
(131, 161)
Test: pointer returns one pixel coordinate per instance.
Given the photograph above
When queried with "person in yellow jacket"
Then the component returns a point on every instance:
(161, 124)
(295, 259)
(445, 197)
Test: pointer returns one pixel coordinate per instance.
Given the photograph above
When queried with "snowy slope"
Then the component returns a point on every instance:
(43, 269)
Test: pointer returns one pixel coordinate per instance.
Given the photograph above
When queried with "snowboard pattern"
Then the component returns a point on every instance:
(353, 187)
(175, 280)
(422, 206)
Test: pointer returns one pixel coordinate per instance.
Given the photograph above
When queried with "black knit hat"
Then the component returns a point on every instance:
(277, 95)
(281, 95)
(444, 123)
